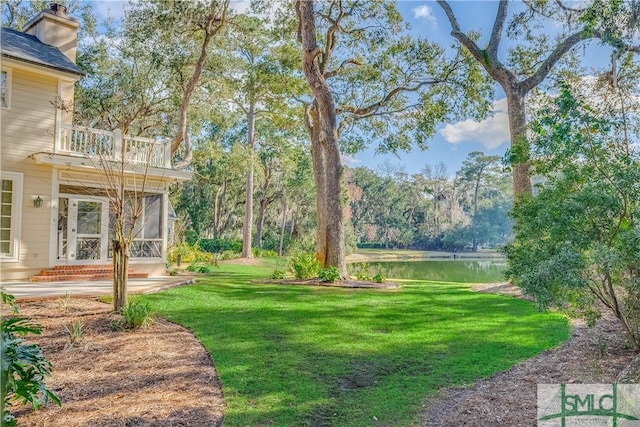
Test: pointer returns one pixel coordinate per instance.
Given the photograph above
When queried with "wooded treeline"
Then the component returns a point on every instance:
(261, 104)
(384, 207)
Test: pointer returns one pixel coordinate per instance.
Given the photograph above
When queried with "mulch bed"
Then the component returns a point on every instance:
(159, 376)
(594, 355)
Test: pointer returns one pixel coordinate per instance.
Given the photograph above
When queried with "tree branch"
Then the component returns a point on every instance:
(334, 72)
(498, 26)
(554, 57)
(372, 108)
(490, 62)
(215, 24)
(563, 6)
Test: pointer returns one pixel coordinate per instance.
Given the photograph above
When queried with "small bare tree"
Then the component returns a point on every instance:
(121, 172)
(126, 207)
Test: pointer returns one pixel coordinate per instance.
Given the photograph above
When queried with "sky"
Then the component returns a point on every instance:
(455, 140)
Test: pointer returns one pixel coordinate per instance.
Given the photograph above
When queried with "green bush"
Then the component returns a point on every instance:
(305, 265)
(206, 268)
(380, 277)
(24, 366)
(220, 245)
(277, 274)
(264, 253)
(137, 315)
(329, 275)
(187, 253)
(361, 271)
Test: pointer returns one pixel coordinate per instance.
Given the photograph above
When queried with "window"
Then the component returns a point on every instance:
(5, 89)
(10, 206)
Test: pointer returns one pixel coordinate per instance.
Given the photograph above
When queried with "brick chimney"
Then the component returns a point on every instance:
(54, 27)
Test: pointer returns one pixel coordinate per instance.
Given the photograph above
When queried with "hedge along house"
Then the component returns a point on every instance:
(55, 177)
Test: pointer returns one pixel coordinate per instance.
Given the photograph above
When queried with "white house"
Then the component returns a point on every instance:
(54, 212)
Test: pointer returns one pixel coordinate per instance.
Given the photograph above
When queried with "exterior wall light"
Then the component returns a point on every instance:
(37, 202)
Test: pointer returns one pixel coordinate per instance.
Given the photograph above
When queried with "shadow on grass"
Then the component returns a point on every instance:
(296, 355)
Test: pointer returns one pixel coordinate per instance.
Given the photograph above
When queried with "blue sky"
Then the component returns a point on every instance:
(453, 141)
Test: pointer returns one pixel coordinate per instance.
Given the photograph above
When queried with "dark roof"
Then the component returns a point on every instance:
(28, 48)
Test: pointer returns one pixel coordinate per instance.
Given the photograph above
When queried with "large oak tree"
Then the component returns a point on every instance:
(531, 61)
(370, 81)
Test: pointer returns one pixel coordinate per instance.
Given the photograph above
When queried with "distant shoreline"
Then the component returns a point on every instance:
(372, 255)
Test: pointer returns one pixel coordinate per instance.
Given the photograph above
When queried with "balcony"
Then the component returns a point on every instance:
(114, 146)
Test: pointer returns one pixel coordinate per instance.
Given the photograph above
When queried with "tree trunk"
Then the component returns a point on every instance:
(292, 226)
(336, 253)
(519, 142)
(120, 276)
(264, 203)
(325, 150)
(247, 229)
(283, 226)
(319, 167)
(475, 211)
(262, 212)
(217, 209)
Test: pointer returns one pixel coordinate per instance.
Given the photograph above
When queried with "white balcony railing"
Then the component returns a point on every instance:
(114, 146)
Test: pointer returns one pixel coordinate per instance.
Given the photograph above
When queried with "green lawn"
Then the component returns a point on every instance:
(296, 355)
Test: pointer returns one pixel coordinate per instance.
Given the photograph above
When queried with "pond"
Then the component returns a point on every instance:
(460, 270)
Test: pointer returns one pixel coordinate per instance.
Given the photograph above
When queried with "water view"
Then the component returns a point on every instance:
(470, 271)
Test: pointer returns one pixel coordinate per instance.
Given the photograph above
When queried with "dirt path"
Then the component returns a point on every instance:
(509, 399)
(160, 376)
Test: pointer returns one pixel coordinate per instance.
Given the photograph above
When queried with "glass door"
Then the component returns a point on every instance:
(82, 230)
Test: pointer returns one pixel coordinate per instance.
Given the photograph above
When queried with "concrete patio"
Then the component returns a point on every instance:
(25, 290)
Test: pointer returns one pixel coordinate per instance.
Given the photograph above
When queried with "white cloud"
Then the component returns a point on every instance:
(491, 132)
(424, 12)
(349, 161)
(240, 6)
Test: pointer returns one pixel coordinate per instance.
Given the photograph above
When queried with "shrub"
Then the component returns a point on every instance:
(264, 253)
(220, 245)
(137, 315)
(187, 253)
(361, 271)
(305, 265)
(329, 275)
(24, 366)
(277, 274)
(380, 277)
(206, 268)
(577, 241)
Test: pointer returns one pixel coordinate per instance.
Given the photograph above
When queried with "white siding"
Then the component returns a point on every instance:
(28, 127)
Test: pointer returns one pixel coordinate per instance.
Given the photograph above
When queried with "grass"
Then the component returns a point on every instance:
(295, 355)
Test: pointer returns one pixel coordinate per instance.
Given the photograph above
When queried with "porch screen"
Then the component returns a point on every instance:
(147, 232)
(148, 242)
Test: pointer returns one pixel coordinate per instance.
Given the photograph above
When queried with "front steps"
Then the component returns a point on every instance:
(63, 273)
